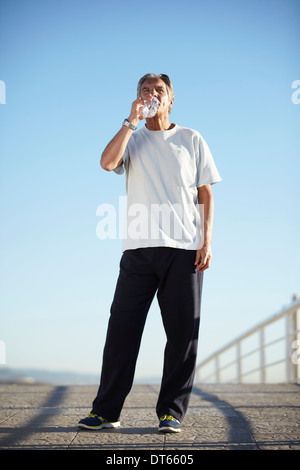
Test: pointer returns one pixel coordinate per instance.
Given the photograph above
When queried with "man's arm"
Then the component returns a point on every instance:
(204, 255)
(111, 157)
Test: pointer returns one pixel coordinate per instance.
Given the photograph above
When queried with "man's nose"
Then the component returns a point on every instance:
(153, 92)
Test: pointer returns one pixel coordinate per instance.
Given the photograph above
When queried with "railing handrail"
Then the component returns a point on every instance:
(286, 310)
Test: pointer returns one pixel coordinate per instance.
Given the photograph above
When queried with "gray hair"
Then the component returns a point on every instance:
(163, 77)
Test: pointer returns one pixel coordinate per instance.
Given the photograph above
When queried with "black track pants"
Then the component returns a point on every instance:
(169, 272)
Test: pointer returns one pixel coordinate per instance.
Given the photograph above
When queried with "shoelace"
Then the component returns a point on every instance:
(93, 415)
(168, 418)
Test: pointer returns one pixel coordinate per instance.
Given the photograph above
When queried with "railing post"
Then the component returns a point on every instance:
(217, 368)
(262, 358)
(294, 335)
(239, 362)
(288, 368)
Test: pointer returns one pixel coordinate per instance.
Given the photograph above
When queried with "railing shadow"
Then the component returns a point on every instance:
(239, 428)
(15, 435)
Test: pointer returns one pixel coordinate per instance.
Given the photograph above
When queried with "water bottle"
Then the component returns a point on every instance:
(150, 108)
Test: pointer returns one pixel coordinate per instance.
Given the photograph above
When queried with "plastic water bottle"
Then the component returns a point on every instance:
(150, 108)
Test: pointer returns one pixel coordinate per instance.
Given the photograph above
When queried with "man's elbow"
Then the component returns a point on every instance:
(105, 165)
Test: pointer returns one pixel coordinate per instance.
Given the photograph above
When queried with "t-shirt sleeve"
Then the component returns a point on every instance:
(207, 172)
(120, 169)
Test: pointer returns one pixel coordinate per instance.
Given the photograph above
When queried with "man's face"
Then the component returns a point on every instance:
(157, 87)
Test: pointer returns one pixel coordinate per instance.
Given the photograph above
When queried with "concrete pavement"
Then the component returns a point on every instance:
(220, 417)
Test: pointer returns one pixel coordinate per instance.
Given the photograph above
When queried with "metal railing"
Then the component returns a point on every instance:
(267, 353)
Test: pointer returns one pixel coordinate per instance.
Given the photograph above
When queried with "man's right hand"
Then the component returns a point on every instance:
(136, 112)
(111, 157)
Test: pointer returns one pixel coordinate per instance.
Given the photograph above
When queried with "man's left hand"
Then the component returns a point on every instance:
(203, 258)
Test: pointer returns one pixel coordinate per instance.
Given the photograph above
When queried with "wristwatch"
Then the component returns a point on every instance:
(128, 124)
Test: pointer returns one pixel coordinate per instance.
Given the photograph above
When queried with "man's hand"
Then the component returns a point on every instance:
(111, 157)
(203, 258)
(136, 114)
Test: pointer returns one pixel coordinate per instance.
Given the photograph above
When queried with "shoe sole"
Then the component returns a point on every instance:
(102, 426)
(169, 429)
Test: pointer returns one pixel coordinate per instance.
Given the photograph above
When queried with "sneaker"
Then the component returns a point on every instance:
(95, 422)
(169, 424)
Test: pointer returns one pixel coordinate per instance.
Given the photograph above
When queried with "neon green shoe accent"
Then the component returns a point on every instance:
(168, 418)
(94, 422)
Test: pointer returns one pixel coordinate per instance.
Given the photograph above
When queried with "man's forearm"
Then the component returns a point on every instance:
(206, 201)
(113, 152)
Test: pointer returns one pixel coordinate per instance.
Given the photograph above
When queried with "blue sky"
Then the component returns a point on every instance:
(71, 70)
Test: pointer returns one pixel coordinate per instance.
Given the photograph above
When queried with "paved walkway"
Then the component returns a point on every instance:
(242, 417)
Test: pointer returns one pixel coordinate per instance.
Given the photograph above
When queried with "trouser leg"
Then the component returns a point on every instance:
(179, 297)
(134, 293)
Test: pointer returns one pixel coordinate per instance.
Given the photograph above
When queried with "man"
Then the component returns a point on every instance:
(169, 172)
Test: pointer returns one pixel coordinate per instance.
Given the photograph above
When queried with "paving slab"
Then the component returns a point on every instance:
(220, 417)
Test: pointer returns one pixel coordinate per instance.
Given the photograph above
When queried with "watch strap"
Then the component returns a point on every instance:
(128, 124)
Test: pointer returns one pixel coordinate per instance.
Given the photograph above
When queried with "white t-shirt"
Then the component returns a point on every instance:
(163, 171)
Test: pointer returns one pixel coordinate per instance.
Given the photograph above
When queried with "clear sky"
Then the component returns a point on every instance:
(70, 69)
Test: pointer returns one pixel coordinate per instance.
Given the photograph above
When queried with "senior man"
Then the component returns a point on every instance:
(169, 173)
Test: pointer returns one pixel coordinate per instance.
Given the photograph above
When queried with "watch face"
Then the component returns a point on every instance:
(128, 124)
